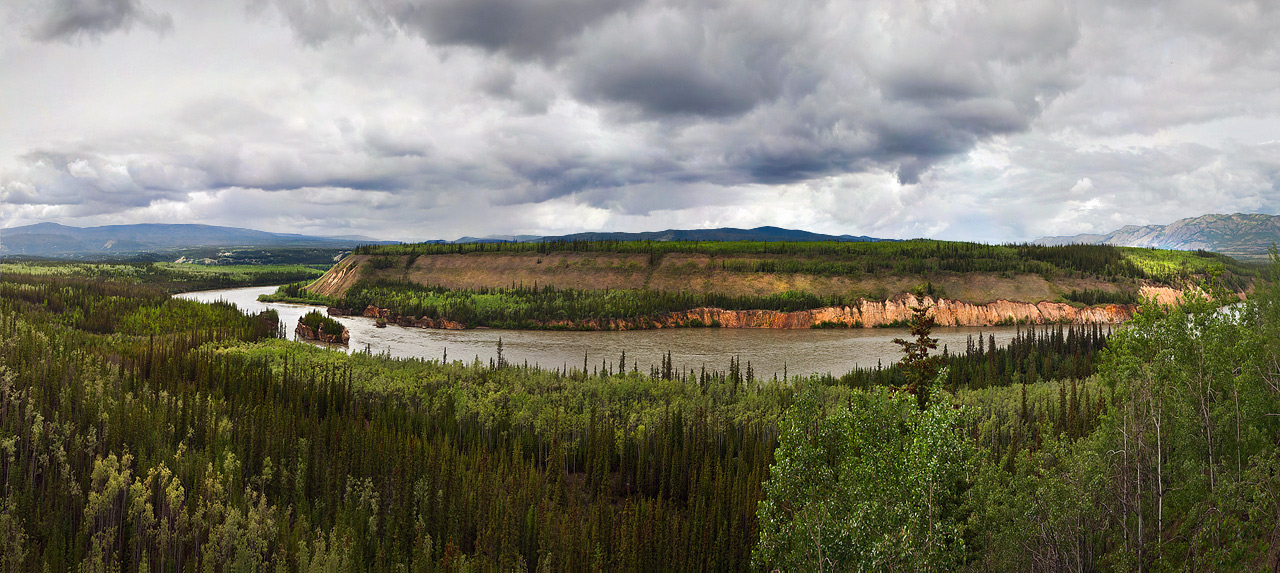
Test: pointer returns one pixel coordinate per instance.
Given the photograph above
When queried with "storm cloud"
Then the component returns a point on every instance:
(70, 20)
(410, 119)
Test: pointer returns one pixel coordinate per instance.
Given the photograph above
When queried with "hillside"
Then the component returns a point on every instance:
(54, 240)
(1240, 235)
(619, 285)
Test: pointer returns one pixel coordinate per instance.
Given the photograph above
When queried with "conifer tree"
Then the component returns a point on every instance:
(916, 364)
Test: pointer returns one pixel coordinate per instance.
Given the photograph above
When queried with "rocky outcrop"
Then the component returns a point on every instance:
(401, 320)
(1162, 295)
(306, 333)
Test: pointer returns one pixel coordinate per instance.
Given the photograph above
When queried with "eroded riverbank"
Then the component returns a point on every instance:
(770, 351)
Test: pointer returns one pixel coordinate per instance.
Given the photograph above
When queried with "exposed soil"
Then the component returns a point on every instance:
(687, 272)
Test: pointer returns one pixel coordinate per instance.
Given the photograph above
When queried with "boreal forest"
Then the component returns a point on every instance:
(141, 432)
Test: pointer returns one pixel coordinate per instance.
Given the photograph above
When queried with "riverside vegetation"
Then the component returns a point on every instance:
(141, 432)
(597, 284)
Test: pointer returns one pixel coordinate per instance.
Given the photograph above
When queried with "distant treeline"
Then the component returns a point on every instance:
(875, 258)
(1034, 354)
(1090, 296)
(162, 277)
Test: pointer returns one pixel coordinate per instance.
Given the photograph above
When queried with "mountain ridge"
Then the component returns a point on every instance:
(1239, 235)
(50, 239)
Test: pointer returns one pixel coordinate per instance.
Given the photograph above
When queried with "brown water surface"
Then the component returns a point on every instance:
(770, 351)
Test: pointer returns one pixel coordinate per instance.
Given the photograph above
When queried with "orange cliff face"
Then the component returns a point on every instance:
(898, 311)
(866, 315)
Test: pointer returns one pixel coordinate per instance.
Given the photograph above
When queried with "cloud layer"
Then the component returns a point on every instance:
(996, 120)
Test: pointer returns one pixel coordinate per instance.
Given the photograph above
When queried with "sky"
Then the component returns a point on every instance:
(993, 121)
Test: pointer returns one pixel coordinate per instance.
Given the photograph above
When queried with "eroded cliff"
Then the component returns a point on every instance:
(869, 314)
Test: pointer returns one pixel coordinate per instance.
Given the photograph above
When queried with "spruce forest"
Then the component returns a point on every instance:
(140, 432)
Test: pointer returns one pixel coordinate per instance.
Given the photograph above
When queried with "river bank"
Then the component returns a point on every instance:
(867, 314)
(770, 351)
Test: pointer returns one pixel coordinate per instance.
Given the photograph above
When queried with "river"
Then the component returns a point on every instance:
(770, 351)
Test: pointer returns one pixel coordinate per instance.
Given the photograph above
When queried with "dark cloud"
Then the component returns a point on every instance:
(705, 60)
(808, 90)
(71, 20)
(775, 93)
(519, 29)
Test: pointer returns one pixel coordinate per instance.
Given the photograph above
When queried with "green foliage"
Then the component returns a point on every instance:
(166, 277)
(1098, 296)
(106, 307)
(1058, 352)
(547, 307)
(318, 321)
(834, 324)
(874, 485)
(916, 364)
(137, 431)
(177, 315)
(295, 293)
(1167, 461)
(1196, 416)
(1183, 267)
(212, 449)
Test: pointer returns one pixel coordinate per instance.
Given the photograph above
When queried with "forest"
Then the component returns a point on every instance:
(167, 277)
(140, 432)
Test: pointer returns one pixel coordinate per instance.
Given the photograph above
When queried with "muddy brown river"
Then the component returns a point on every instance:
(770, 351)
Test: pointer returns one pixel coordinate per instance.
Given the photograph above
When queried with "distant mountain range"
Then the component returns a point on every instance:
(54, 240)
(721, 234)
(1240, 235)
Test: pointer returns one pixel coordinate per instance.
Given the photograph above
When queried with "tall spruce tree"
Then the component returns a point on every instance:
(918, 367)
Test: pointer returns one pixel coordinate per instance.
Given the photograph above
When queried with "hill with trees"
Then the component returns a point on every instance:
(639, 284)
